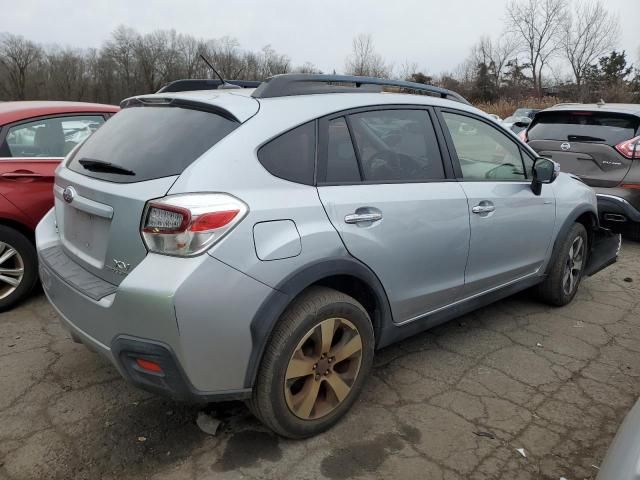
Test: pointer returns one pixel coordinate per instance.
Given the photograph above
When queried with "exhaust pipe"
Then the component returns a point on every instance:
(614, 217)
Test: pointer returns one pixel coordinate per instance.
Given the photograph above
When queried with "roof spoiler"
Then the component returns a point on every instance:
(303, 84)
(192, 84)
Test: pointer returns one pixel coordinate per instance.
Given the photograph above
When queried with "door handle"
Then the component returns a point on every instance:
(362, 217)
(24, 174)
(483, 209)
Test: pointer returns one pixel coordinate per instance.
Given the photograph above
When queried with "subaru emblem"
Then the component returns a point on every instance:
(68, 194)
(565, 146)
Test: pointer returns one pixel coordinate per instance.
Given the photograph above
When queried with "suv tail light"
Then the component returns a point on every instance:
(522, 135)
(630, 148)
(187, 225)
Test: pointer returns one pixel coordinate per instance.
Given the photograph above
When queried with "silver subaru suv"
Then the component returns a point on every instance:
(261, 244)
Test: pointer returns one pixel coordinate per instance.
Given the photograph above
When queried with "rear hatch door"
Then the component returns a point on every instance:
(101, 192)
(583, 143)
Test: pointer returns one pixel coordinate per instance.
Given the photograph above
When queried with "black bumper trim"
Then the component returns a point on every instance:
(172, 382)
(614, 204)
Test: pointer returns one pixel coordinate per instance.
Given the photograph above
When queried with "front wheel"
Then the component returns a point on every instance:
(315, 364)
(565, 274)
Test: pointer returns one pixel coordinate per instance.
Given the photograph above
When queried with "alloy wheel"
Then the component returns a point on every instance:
(11, 269)
(573, 266)
(323, 368)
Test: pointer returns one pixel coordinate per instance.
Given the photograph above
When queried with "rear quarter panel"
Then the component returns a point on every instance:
(10, 212)
(231, 166)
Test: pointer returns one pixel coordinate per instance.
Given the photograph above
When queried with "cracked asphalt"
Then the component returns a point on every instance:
(452, 403)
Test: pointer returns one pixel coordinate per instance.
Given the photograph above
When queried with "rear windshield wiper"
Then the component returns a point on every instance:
(104, 167)
(584, 138)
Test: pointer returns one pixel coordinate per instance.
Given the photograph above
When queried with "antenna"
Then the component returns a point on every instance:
(223, 82)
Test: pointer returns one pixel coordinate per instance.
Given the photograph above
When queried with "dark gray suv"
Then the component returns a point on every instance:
(600, 143)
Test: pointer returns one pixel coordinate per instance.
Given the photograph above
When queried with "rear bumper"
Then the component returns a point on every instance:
(604, 251)
(192, 314)
(172, 381)
(622, 202)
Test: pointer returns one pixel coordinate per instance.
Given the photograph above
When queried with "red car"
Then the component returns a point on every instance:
(34, 138)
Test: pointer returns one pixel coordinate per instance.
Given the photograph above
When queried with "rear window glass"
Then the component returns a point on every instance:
(149, 143)
(584, 126)
(292, 155)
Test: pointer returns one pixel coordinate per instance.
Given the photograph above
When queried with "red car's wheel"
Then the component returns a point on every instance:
(18, 267)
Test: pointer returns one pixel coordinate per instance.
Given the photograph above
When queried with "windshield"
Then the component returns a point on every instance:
(584, 126)
(522, 112)
(144, 143)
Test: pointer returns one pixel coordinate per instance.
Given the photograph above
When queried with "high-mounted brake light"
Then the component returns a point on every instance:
(630, 148)
(523, 135)
(187, 225)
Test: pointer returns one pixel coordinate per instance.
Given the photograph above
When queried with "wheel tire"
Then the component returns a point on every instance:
(26, 255)
(553, 289)
(269, 401)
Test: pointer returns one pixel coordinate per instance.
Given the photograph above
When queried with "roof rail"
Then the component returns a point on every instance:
(303, 84)
(191, 84)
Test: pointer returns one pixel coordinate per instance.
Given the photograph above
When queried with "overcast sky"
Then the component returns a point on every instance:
(435, 34)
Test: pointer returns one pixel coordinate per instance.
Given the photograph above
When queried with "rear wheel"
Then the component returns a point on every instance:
(565, 274)
(18, 267)
(314, 365)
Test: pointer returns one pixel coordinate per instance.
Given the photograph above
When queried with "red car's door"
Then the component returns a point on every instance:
(31, 152)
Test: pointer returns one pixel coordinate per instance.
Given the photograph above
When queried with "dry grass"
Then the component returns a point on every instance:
(504, 108)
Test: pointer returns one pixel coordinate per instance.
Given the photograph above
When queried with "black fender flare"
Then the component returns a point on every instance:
(286, 291)
(566, 226)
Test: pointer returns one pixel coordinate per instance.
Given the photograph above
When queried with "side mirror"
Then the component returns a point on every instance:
(523, 122)
(544, 171)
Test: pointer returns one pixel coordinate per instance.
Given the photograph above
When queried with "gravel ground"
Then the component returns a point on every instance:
(453, 403)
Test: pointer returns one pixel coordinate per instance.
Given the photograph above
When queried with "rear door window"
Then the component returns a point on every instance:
(150, 142)
(292, 155)
(397, 145)
(49, 137)
(583, 126)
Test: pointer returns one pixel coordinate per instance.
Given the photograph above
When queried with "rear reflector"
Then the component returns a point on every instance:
(631, 185)
(148, 365)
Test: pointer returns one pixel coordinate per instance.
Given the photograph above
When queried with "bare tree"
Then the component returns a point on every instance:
(494, 54)
(592, 32)
(364, 60)
(65, 74)
(539, 29)
(121, 51)
(307, 67)
(17, 56)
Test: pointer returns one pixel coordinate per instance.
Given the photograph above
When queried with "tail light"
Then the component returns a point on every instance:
(630, 148)
(187, 225)
(522, 135)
